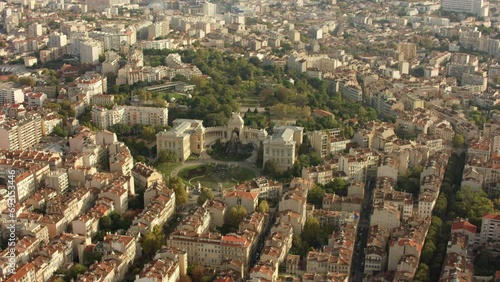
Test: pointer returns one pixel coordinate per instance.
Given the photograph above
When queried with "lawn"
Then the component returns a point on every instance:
(167, 168)
(211, 176)
(167, 95)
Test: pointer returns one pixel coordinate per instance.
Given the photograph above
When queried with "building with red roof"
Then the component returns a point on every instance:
(461, 225)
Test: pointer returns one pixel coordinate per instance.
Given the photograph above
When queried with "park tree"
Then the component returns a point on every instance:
(271, 169)
(141, 159)
(59, 131)
(315, 196)
(197, 272)
(199, 81)
(89, 257)
(472, 204)
(120, 129)
(13, 78)
(27, 81)
(73, 272)
(105, 223)
(337, 186)
(299, 247)
(422, 274)
(311, 232)
(458, 141)
(160, 102)
(181, 196)
(428, 252)
(263, 207)
(149, 133)
(236, 215)
(153, 241)
(441, 205)
(165, 156)
(206, 194)
(315, 158)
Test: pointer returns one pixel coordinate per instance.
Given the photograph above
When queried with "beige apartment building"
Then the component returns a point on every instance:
(129, 115)
(321, 140)
(20, 135)
(144, 175)
(58, 180)
(210, 249)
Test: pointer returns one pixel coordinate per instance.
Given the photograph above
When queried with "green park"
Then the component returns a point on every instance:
(213, 175)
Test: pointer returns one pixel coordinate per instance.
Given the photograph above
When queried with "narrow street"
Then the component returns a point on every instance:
(361, 240)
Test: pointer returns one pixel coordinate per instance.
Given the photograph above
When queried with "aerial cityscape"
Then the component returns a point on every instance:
(249, 140)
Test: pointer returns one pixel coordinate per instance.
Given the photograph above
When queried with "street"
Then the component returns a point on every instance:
(363, 227)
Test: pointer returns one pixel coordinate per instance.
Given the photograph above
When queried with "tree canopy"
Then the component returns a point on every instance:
(206, 194)
(181, 196)
(263, 207)
(236, 215)
(153, 241)
(472, 204)
(315, 196)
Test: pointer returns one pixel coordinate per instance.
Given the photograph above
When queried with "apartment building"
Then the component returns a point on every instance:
(101, 271)
(211, 249)
(249, 200)
(158, 211)
(265, 188)
(376, 255)
(457, 264)
(402, 247)
(490, 229)
(292, 208)
(353, 167)
(89, 51)
(129, 115)
(118, 192)
(477, 7)
(321, 141)
(11, 96)
(144, 175)
(385, 215)
(339, 203)
(26, 273)
(385, 193)
(58, 180)
(264, 270)
(20, 134)
(336, 260)
(102, 100)
(198, 221)
(217, 211)
(160, 270)
(282, 146)
(92, 84)
(88, 224)
(121, 248)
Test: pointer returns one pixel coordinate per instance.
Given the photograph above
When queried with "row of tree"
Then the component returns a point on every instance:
(453, 201)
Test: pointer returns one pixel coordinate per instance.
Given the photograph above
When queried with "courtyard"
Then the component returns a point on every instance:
(214, 176)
